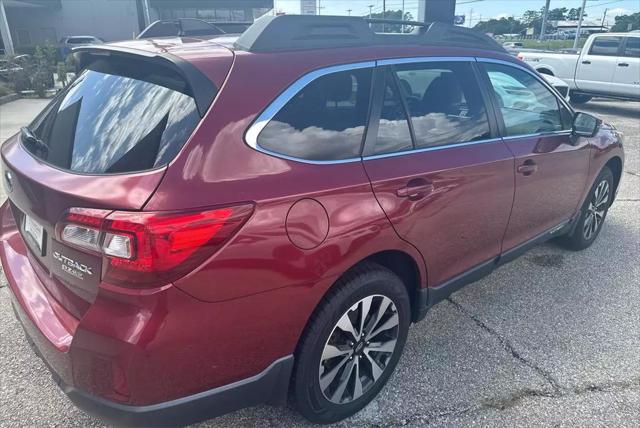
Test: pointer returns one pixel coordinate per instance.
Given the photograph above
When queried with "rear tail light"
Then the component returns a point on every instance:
(144, 249)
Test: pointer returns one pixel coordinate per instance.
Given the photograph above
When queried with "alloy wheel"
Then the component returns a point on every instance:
(596, 210)
(359, 349)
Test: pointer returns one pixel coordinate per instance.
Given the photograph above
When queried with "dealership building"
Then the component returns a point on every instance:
(25, 24)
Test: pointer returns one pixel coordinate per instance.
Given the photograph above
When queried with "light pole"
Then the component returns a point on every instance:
(370, 9)
(349, 11)
(543, 29)
(575, 41)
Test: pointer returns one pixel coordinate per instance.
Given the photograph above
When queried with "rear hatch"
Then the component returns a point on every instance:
(102, 144)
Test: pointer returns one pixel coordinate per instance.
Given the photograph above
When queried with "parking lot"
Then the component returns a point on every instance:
(551, 339)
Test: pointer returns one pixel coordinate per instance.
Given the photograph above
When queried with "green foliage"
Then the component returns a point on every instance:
(395, 15)
(500, 26)
(5, 89)
(574, 14)
(33, 72)
(557, 14)
(624, 21)
(62, 73)
(43, 70)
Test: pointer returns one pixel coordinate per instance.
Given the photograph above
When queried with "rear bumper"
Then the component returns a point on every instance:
(268, 387)
(168, 373)
(272, 384)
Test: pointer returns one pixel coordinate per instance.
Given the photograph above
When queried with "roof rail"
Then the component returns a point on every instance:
(297, 32)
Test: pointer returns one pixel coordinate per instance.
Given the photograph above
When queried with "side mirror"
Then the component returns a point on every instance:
(585, 125)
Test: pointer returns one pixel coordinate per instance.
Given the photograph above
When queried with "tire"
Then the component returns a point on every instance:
(322, 390)
(579, 98)
(591, 218)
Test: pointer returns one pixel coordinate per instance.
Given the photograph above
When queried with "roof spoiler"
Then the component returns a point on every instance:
(201, 88)
(295, 32)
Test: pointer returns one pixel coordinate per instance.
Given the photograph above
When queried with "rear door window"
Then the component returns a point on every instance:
(632, 48)
(394, 134)
(444, 102)
(325, 121)
(111, 122)
(605, 46)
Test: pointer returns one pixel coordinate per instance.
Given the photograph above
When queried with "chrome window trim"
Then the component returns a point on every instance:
(538, 134)
(430, 149)
(422, 59)
(251, 136)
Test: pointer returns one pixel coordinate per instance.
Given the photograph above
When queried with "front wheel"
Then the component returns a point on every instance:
(593, 212)
(352, 344)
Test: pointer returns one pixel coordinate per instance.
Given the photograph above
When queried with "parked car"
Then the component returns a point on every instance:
(607, 66)
(69, 42)
(174, 254)
(182, 27)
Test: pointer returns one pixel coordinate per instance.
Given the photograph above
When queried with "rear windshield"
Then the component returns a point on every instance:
(109, 122)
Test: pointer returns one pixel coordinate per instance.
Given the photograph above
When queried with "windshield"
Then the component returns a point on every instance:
(110, 123)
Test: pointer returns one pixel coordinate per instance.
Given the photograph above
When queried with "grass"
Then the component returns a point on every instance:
(550, 44)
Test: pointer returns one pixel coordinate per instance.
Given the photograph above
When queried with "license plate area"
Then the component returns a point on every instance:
(34, 233)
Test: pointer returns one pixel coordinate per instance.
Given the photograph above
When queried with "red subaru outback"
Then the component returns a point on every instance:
(194, 226)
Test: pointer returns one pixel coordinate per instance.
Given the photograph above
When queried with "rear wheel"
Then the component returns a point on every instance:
(593, 212)
(352, 344)
(579, 98)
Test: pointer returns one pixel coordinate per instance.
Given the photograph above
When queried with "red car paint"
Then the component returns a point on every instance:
(247, 305)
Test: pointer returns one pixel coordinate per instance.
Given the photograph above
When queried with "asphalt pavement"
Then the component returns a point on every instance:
(552, 338)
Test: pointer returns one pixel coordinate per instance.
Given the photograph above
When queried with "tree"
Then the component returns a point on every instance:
(623, 22)
(532, 18)
(557, 14)
(574, 14)
(500, 26)
(395, 15)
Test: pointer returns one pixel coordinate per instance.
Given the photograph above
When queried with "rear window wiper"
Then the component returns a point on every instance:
(28, 137)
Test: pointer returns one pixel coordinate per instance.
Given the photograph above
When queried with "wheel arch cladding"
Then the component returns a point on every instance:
(615, 165)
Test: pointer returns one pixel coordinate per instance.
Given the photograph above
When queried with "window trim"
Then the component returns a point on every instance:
(252, 133)
(623, 49)
(618, 52)
(496, 109)
(378, 68)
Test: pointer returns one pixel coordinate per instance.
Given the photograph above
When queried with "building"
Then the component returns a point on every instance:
(25, 24)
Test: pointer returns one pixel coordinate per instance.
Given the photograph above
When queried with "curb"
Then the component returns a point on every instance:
(8, 98)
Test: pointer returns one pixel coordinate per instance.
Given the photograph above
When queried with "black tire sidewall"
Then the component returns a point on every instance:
(578, 239)
(308, 396)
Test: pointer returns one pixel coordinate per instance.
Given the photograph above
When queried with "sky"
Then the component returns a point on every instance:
(474, 10)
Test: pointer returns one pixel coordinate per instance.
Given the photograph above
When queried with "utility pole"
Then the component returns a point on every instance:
(402, 17)
(384, 13)
(470, 17)
(575, 41)
(543, 29)
(349, 11)
(604, 16)
(320, 7)
(5, 31)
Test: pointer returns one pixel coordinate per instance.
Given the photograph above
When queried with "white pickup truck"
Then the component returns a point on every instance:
(607, 66)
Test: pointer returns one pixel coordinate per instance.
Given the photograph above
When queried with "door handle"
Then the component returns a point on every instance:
(527, 168)
(623, 64)
(415, 189)
(586, 62)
